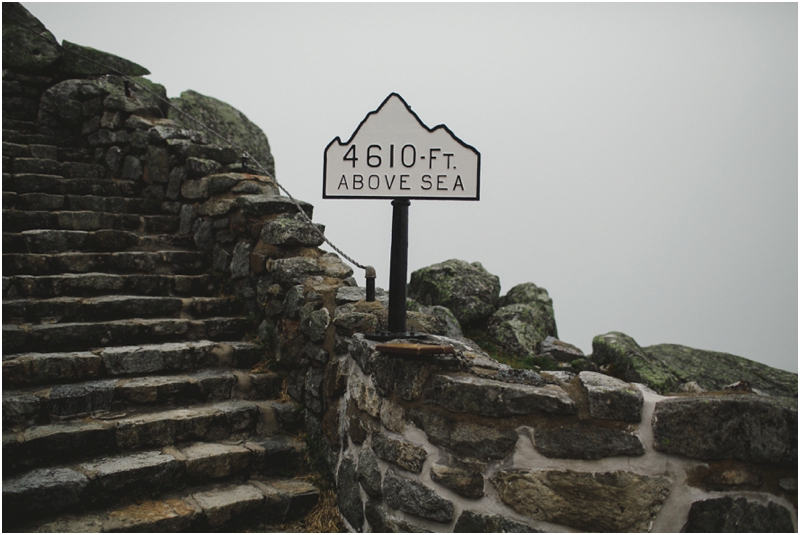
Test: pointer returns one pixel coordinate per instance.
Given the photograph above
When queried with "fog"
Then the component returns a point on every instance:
(638, 160)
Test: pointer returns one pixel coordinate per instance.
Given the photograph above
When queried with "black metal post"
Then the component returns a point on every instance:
(398, 268)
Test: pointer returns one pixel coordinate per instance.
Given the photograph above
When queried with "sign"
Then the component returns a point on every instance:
(393, 155)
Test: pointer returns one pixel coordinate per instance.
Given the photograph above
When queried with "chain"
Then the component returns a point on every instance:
(303, 215)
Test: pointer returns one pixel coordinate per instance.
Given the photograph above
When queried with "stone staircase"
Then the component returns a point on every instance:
(128, 400)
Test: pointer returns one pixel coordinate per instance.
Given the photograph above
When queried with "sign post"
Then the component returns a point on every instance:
(394, 155)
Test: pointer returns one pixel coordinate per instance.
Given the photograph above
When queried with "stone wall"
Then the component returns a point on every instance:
(456, 441)
(449, 441)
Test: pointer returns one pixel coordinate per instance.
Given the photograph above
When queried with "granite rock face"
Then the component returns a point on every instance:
(586, 443)
(415, 498)
(472, 522)
(348, 497)
(465, 439)
(521, 328)
(487, 397)
(226, 120)
(665, 367)
(75, 64)
(611, 399)
(468, 290)
(22, 49)
(745, 427)
(608, 501)
(740, 515)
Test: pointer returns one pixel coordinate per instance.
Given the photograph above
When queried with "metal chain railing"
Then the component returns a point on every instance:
(213, 132)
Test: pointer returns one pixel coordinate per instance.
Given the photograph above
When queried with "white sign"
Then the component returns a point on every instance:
(392, 154)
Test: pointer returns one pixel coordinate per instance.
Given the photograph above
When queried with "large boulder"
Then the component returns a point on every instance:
(665, 367)
(27, 45)
(520, 329)
(528, 293)
(468, 290)
(86, 61)
(226, 120)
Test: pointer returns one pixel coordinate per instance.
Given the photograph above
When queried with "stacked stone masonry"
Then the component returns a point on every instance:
(138, 256)
(134, 392)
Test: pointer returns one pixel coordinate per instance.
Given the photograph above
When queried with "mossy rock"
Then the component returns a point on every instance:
(32, 52)
(468, 290)
(520, 329)
(228, 121)
(87, 61)
(664, 367)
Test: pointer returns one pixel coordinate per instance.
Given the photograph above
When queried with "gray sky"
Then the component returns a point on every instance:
(638, 160)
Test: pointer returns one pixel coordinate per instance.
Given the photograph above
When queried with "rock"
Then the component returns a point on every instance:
(664, 367)
(560, 351)
(467, 483)
(332, 265)
(226, 120)
(131, 168)
(528, 293)
(353, 294)
(200, 167)
(293, 271)
(574, 442)
(520, 329)
(365, 396)
(34, 52)
(380, 521)
(261, 205)
(291, 231)
(86, 61)
(725, 515)
(464, 438)
(400, 452)
(691, 388)
(713, 370)
(466, 393)
(603, 501)
(468, 290)
(611, 399)
(452, 328)
(240, 264)
(472, 522)
(369, 473)
(316, 324)
(400, 376)
(348, 497)
(736, 426)
(415, 498)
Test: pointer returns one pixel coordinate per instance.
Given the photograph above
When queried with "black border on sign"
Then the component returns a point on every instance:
(337, 139)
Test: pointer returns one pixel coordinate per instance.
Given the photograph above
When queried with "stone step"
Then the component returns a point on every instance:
(219, 507)
(21, 220)
(44, 405)
(84, 336)
(58, 185)
(50, 166)
(30, 369)
(104, 240)
(95, 284)
(114, 307)
(83, 439)
(117, 205)
(24, 138)
(157, 262)
(27, 127)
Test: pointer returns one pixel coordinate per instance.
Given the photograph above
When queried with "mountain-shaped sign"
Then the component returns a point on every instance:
(392, 155)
